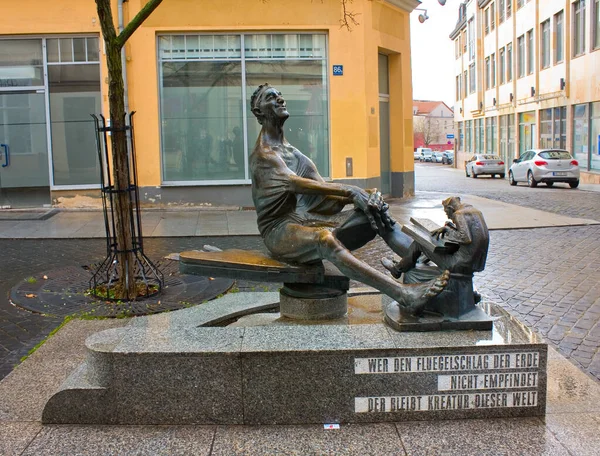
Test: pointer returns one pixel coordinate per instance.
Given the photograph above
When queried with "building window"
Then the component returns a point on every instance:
(520, 4)
(479, 136)
(74, 94)
(526, 131)
(509, 63)
(490, 135)
(458, 88)
(530, 53)
(463, 38)
(492, 16)
(502, 67)
(596, 25)
(471, 33)
(586, 131)
(594, 150)
(487, 21)
(501, 11)
(545, 44)
(521, 56)
(460, 146)
(465, 84)
(468, 136)
(508, 8)
(559, 37)
(487, 74)
(472, 79)
(581, 134)
(206, 124)
(511, 137)
(493, 70)
(578, 28)
(553, 128)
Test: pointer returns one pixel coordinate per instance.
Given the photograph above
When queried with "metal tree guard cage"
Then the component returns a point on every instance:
(107, 274)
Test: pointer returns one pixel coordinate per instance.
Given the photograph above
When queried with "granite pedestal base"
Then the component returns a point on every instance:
(178, 368)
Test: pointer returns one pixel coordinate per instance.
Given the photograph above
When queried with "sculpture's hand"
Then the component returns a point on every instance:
(361, 199)
(379, 209)
(440, 232)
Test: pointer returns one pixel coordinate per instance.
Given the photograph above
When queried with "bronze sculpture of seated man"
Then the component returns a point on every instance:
(300, 215)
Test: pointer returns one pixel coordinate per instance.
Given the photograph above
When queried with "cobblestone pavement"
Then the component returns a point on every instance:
(547, 277)
(21, 330)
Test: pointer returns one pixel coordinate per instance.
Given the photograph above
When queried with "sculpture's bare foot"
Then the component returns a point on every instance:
(418, 295)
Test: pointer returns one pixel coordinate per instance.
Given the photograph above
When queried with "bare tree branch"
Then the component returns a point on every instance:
(137, 21)
(349, 18)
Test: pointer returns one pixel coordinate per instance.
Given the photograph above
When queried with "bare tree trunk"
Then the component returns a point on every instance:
(116, 90)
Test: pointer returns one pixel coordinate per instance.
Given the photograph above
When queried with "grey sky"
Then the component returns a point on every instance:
(433, 52)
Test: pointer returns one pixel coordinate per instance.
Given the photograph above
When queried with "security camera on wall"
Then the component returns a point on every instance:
(442, 2)
(423, 17)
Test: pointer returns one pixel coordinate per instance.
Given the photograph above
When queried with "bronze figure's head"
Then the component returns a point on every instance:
(267, 104)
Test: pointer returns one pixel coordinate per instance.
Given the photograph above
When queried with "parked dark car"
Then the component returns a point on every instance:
(448, 157)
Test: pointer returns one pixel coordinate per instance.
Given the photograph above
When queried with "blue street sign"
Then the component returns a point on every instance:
(449, 136)
(338, 70)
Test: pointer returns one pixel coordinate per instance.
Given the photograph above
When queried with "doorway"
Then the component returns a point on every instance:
(24, 165)
(384, 125)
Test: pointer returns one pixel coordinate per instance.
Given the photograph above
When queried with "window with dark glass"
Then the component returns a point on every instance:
(545, 44)
(530, 53)
(493, 69)
(521, 56)
(502, 67)
(596, 25)
(578, 28)
(509, 62)
(559, 37)
(472, 79)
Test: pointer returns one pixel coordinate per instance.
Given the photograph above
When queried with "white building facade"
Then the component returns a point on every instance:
(527, 76)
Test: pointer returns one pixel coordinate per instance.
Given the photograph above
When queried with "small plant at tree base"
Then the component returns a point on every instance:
(31, 280)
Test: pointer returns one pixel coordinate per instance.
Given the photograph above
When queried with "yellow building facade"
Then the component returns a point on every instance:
(191, 69)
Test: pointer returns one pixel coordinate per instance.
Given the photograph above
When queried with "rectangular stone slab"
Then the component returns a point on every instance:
(255, 265)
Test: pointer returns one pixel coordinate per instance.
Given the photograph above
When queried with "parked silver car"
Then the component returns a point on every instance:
(480, 164)
(545, 165)
(437, 157)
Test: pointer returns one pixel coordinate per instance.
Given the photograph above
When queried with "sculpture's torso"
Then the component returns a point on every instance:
(274, 199)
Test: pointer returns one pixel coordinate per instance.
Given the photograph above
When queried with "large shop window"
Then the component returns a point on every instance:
(553, 128)
(526, 131)
(74, 86)
(586, 135)
(206, 83)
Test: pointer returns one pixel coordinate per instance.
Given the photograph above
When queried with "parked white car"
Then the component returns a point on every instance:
(480, 164)
(425, 154)
(545, 165)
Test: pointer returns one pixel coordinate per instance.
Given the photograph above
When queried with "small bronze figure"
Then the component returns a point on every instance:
(300, 215)
(466, 228)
